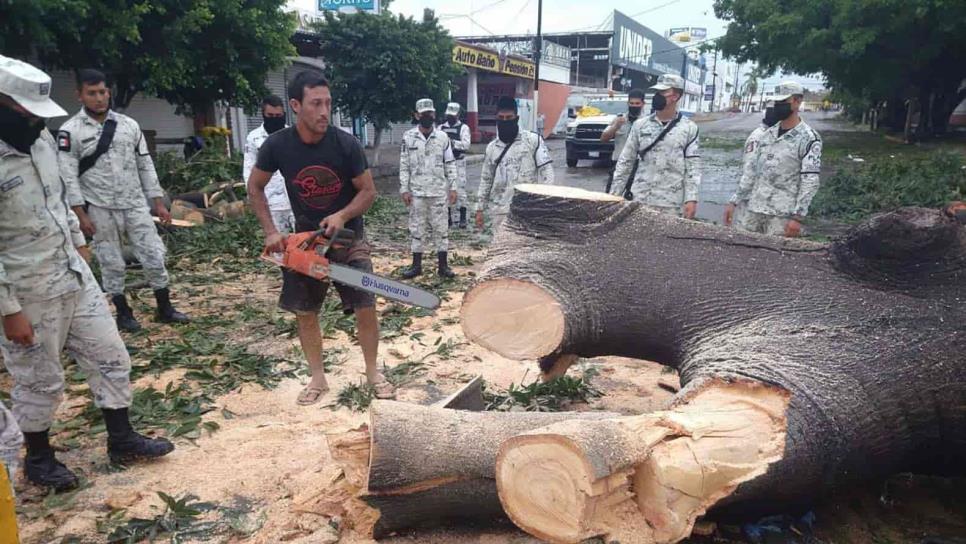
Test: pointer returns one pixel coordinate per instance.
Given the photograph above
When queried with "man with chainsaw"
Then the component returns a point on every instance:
(49, 299)
(427, 183)
(515, 157)
(459, 135)
(330, 187)
(110, 179)
(662, 151)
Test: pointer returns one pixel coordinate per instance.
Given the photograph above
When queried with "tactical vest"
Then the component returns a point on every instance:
(454, 135)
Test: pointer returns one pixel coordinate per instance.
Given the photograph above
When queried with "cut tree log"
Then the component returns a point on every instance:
(418, 466)
(868, 333)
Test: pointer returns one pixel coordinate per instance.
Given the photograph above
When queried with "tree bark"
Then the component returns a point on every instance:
(867, 334)
(418, 466)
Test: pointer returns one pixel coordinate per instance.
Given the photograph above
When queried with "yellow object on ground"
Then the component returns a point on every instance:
(8, 510)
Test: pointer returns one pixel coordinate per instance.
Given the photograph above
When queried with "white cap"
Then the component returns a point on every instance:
(424, 104)
(669, 81)
(29, 87)
(787, 89)
(453, 108)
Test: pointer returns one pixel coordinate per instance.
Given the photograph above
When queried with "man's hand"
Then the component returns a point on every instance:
(162, 212)
(17, 329)
(332, 224)
(407, 199)
(729, 215)
(452, 198)
(793, 229)
(85, 253)
(690, 209)
(619, 122)
(275, 242)
(86, 225)
(479, 220)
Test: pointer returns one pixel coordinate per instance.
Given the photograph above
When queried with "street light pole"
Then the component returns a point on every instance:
(536, 59)
(714, 79)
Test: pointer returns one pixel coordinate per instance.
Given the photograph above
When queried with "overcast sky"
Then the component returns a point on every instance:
(486, 17)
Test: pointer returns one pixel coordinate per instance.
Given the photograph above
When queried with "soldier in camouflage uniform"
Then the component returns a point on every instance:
(668, 173)
(273, 115)
(49, 299)
(787, 166)
(459, 135)
(427, 179)
(115, 190)
(512, 159)
(620, 128)
(738, 204)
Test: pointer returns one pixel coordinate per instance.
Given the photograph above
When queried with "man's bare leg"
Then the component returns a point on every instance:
(310, 336)
(367, 331)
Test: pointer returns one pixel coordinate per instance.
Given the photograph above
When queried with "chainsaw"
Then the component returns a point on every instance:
(307, 254)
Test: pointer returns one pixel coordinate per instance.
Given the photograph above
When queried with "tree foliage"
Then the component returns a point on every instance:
(873, 50)
(191, 53)
(380, 65)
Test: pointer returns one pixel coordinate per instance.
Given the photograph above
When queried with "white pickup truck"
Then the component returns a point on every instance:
(583, 132)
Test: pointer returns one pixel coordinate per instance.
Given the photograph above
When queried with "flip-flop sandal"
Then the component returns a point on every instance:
(384, 390)
(310, 395)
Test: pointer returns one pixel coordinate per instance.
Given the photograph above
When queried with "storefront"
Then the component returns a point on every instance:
(489, 75)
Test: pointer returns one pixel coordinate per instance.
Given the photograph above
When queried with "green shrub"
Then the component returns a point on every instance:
(884, 183)
(209, 167)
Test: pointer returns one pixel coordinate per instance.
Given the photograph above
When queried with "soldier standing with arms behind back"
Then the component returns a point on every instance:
(662, 149)
(513, 158)
(427, 183)
(105, 163)
(788, 163)
(459, 135)
(48, 297)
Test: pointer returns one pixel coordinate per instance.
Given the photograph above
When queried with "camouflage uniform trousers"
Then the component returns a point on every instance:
(761, 223)
(461, 199)
(81, 322)
(427, 224)
(674, 212)
(10, 441)
(137, 225)
(284, 221)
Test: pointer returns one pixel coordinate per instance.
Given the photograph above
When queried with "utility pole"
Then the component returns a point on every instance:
(536, 59)
(714, 79)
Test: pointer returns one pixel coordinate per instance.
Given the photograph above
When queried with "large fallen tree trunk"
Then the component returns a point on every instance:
(868, 334)
(417, 466)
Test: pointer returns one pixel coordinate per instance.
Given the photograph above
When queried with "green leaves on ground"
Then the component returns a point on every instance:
(553, 396)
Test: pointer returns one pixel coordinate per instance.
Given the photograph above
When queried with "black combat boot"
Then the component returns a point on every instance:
(449, 217)
(166, 312)
(42, 468)
(416, 268)
(124, 445)
(125, 316)
(463, 217)
(444, 270)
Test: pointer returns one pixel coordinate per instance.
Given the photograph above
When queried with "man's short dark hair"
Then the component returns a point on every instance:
(90, 76)
(273, 101)
(635, 93)
(307, 79)
(506, 103)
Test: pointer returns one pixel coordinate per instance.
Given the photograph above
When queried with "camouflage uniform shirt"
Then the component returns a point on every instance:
(787, 171)
(427, 167)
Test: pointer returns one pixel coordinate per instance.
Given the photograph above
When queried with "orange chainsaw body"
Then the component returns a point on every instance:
(305, 254)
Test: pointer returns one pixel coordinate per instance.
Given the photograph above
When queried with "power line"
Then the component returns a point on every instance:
(655, 8)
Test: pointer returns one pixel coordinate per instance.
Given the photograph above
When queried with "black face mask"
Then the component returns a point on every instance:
(634, 111)
(659, 102)
(507, 130)
(783, 110)
(19, 131)
(769, 119)
(274, 124)
(427, 121)
(451, 119)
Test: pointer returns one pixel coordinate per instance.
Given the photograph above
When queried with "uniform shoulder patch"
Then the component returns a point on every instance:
(63, 140)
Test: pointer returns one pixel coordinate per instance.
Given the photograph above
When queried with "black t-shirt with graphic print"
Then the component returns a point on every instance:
(318, 177)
